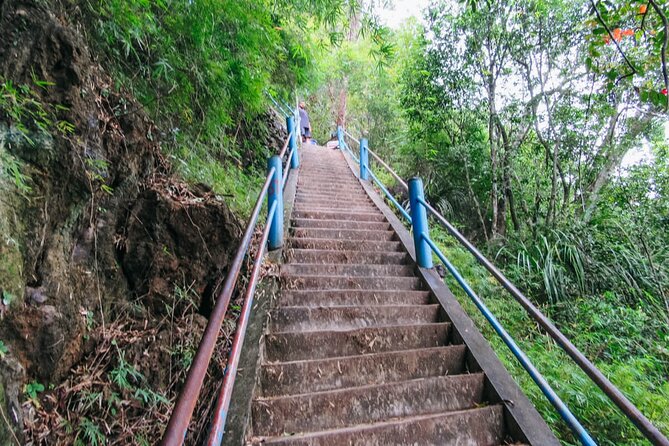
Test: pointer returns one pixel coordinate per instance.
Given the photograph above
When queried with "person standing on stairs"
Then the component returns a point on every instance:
(305, 124)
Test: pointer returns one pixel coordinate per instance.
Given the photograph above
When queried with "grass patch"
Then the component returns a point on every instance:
(637, 373)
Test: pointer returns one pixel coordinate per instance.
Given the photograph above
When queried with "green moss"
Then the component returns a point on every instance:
(11, 258)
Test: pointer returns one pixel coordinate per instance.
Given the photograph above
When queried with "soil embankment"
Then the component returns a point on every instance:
(107, 262)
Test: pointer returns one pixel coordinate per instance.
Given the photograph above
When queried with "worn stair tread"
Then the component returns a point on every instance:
(325, 256)
(333, 203)
(345, 234)
(338, 208)
(337, 197)
(350, 190)
(345, 245)
(353, 297)
(285, 319)
(350, 270)
(325, 282)
(334, 194)
(320, 344)
(329, 205)
(341, 224)
(318, 375)
(365, 404)
(334, 215)
(481, 426)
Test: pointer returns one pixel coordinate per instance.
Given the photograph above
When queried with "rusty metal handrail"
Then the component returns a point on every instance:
(225, 395)
(182, 413)
(183, 409)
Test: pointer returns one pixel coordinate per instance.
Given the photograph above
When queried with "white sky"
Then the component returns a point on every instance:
(401, 10)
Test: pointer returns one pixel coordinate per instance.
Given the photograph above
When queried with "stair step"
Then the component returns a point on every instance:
(324, 256)
(352, 371)
(286, 319)
(347, 407)
(318, 179)
(346, 245)
(483, 426)
(347, 197)
(294, 282)
(353, 297)
(341, 224)
(322, 344)
(344, 234)
(325, 207)
(333, 203)
(353, 190)
(334, 215)
(351, 270)
(330, 182)
(331, 195)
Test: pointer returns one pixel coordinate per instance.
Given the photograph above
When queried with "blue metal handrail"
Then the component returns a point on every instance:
(573, 423)
(638, 419)
(272, 238)
(378, 182)
(279, 107)
(390, 197)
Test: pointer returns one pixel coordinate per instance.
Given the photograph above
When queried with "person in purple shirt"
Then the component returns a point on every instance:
(305, 124)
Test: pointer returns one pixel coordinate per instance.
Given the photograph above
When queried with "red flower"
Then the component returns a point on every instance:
(664, 91)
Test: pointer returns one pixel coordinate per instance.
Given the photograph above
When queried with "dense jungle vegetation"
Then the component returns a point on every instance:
(539, 128)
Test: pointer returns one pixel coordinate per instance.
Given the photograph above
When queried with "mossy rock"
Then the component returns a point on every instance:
(11, 203)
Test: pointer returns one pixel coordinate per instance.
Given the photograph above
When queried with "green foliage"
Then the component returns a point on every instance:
(235, 184)
(32, 389)
(125, 375)
(201, 69)
(24, 112)
(3, 349)
(89, 433)
(625, 45)
(628, 345)
(502, 98)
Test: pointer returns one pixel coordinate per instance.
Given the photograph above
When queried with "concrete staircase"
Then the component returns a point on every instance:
(357, 350)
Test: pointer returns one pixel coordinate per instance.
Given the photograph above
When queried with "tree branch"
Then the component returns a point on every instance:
(615, 42)
(665, 24)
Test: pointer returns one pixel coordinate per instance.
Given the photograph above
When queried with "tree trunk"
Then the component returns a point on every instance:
(612, 160)
(341, 105)
(472, 196)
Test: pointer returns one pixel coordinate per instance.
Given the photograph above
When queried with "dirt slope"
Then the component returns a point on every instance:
(105, 232)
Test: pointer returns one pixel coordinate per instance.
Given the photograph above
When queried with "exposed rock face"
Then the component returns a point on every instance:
(104, 222)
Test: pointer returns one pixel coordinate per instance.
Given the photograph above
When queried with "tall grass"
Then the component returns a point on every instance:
(627, 344)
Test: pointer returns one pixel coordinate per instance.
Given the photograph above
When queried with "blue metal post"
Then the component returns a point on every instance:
(419, 223)
(292, 143)
(340, 137)
(275, 194)
(364, 159)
